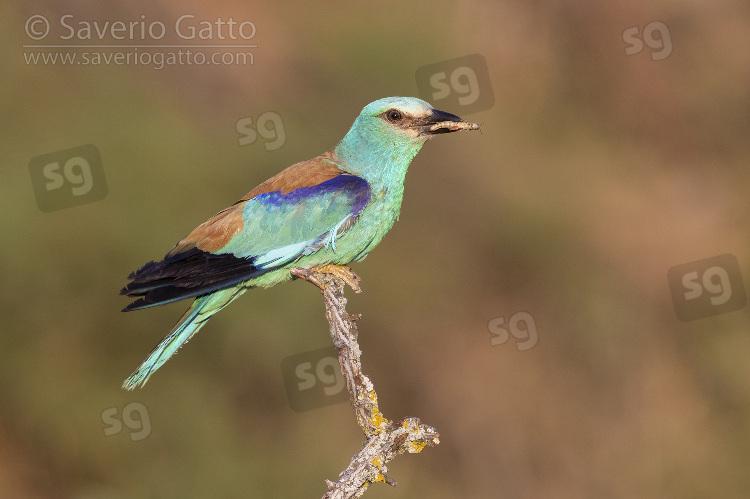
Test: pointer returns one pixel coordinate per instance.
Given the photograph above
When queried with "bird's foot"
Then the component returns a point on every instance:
(343, 272)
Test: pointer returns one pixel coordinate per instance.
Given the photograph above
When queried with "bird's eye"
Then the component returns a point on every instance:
(394, 115)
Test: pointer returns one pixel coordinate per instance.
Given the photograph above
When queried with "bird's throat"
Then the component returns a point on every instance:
(383, 163)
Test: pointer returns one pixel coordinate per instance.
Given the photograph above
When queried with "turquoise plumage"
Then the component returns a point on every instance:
(330, 210)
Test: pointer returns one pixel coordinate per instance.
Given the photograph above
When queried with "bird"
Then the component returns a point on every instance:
(326, 212)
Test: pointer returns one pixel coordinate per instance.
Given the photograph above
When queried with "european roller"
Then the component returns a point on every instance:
(327, 211)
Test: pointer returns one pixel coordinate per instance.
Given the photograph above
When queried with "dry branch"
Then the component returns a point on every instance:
(384, 439)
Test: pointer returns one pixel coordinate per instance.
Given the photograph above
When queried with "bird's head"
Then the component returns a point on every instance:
(409, 119)
(388, 133)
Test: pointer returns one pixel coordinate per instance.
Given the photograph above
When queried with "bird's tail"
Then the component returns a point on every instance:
(199, 312)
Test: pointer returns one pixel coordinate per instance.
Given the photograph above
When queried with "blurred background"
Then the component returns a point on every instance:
(521, 305)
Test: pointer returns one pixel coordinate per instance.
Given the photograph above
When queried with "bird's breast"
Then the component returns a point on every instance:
(374, 222)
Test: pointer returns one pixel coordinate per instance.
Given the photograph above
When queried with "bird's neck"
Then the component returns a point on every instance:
(381, 163)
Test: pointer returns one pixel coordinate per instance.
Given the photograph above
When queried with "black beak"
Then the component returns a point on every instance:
(442, 122)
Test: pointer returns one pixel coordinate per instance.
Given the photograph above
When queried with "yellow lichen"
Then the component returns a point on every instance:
(377, 419)
(416, 447)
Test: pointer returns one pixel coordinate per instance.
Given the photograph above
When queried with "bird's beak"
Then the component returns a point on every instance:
(442, 122)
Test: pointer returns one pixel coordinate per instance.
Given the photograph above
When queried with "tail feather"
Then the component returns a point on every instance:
(200, 311)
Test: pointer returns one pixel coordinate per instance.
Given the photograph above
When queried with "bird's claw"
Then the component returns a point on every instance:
(342, 272)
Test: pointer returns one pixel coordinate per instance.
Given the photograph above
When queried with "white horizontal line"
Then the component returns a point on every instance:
(134, 46)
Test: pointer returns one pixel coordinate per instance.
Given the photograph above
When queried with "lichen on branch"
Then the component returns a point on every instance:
(384, 439)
